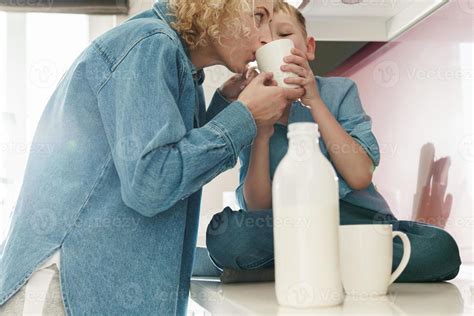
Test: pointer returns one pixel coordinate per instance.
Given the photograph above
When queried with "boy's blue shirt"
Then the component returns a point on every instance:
(342, 99)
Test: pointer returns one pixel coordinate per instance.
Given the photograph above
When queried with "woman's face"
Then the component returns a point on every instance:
(237, 53)
(285, 25)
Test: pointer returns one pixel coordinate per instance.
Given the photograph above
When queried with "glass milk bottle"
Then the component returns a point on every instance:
(306, 223)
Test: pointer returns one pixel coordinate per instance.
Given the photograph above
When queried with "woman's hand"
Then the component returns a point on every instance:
(266, 101)
(298, 64)
(232, 88)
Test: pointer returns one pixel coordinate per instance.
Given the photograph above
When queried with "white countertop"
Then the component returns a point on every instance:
(444, 298)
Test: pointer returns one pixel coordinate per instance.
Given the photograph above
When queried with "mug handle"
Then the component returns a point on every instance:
(405, 258)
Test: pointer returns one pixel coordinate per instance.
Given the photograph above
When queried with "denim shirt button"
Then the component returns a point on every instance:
(198, 76)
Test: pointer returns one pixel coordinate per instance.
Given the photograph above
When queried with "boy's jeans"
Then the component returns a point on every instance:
(244, 240)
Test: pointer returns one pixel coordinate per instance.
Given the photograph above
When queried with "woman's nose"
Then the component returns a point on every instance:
(265, 35)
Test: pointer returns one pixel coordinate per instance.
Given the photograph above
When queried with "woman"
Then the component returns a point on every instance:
(243, 240)
(116, 206)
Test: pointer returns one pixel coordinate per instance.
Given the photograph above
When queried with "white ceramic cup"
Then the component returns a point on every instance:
(270, 59)
(366, 258)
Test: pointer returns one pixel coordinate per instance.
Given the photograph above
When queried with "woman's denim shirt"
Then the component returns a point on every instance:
(120, 193)
(342, 99)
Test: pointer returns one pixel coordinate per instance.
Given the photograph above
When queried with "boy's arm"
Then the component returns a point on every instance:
(348, 156)
(257, 187)
(349, 152)
(350, 142)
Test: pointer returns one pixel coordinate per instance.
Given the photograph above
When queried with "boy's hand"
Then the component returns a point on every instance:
(298, 64)
(266, 101)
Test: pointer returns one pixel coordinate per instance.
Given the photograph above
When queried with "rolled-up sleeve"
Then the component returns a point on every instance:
(244, 158)
(357, 123)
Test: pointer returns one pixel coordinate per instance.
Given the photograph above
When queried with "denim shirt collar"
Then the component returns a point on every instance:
(161, 8)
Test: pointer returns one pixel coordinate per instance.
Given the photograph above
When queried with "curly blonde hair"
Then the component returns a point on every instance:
(197, 21)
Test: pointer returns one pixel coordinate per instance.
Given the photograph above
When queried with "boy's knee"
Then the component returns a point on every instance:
(443, 244)
(449, 253)
(240, 226)
(432, 247)
(222, 225)
(235, 236)
(222, 235)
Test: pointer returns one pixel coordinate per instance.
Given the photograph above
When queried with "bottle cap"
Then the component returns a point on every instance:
(303, 128)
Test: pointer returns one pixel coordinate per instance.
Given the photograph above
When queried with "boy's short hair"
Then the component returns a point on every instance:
(282, 6)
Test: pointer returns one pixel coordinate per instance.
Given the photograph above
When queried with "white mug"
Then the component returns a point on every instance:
(366, 258)
(270, 59)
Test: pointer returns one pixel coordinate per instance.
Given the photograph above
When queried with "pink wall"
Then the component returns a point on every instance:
(419, 89)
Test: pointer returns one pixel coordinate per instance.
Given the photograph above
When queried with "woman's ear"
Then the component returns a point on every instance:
(310, 48)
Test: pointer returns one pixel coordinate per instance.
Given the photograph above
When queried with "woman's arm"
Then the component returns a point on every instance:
(159, 162)
(228, 92)
(257, 184)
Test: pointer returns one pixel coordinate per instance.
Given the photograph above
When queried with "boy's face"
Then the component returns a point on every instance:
(285, 25)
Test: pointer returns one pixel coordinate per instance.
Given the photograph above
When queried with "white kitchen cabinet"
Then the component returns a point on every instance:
(368, 20)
